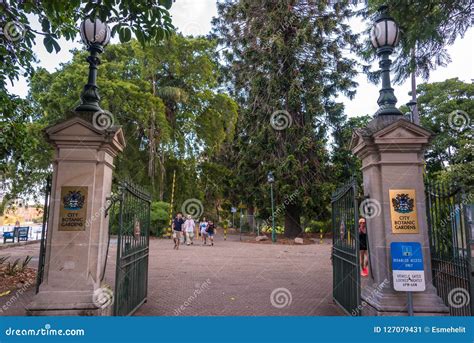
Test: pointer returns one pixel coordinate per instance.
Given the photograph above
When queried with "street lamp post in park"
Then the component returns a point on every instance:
(271, 180)
(95, 35)
(385, 36)
(412, 106)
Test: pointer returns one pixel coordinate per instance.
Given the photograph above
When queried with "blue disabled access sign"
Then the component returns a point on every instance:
(407, 266)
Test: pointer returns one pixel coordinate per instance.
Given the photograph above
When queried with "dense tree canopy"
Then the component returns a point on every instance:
(285, 67)
(446, 109)
(165, 97)
(259, 94)
(24, 24)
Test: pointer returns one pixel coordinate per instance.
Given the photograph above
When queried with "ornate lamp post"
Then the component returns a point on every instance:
(95, 35)
(271, 180)
(385, 36)
(412, 106)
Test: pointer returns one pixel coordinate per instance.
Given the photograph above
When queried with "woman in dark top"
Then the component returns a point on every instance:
(364, 260)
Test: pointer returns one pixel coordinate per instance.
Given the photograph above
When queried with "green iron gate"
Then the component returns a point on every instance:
(132, 223)
(42, 253)
(450, 232)
(345, 247)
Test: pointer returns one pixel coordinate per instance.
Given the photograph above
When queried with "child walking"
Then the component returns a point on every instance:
(203, 230)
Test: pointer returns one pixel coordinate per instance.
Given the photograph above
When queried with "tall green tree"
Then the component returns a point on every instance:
(148, 20)
(344, 163)
(166, 99)
(446, 109)
(285, 67)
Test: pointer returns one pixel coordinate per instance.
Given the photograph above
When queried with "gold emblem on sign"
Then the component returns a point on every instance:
(403, 211)
(73, 211)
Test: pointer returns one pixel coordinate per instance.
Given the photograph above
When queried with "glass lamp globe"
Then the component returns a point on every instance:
(95, 33)
(385, 31)
(270, 177)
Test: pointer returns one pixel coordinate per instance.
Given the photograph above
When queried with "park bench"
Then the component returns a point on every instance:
(20, 232)
(10, 235)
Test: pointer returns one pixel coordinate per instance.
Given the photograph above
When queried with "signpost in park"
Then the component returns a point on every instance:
(233, 210)
(408, 270)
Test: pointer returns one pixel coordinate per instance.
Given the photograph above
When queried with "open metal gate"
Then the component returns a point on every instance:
(450, 231)
(42, 252)
(132, 224)
(345, 247)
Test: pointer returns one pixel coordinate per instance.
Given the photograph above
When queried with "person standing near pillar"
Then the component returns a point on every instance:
(363, 256)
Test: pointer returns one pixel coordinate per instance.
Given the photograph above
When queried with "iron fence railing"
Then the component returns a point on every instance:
(450, 243)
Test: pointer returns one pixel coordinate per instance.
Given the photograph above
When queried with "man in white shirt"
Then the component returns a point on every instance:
(189, 226)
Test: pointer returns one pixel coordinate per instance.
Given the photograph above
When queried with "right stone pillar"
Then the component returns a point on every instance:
(391, 149)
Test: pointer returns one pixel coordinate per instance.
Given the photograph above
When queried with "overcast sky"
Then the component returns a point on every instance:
(194, 17)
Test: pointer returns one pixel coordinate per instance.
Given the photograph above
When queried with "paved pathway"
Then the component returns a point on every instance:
(235, 278)
(230, 278)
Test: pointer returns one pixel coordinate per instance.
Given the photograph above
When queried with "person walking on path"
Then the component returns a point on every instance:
(211, 231)
(189, 226)
(364, 260)
(177, 227)
(202, 230)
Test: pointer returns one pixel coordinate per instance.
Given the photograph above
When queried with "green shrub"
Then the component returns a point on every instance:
(159, 217)
(268, 229)
(316, 226)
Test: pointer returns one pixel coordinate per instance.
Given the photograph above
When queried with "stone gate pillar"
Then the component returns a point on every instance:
(77, 233)
(391, 149)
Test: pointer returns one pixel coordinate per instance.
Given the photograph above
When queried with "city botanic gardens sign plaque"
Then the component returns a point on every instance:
(72, 215)
(403, 211)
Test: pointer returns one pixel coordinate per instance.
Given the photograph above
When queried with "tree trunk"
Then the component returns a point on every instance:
(292, 221)
(250, 216)
(152, 143)
(416, 116)
(161, 160)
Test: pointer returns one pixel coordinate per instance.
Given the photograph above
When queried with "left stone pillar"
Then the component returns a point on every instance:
(77, 235)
